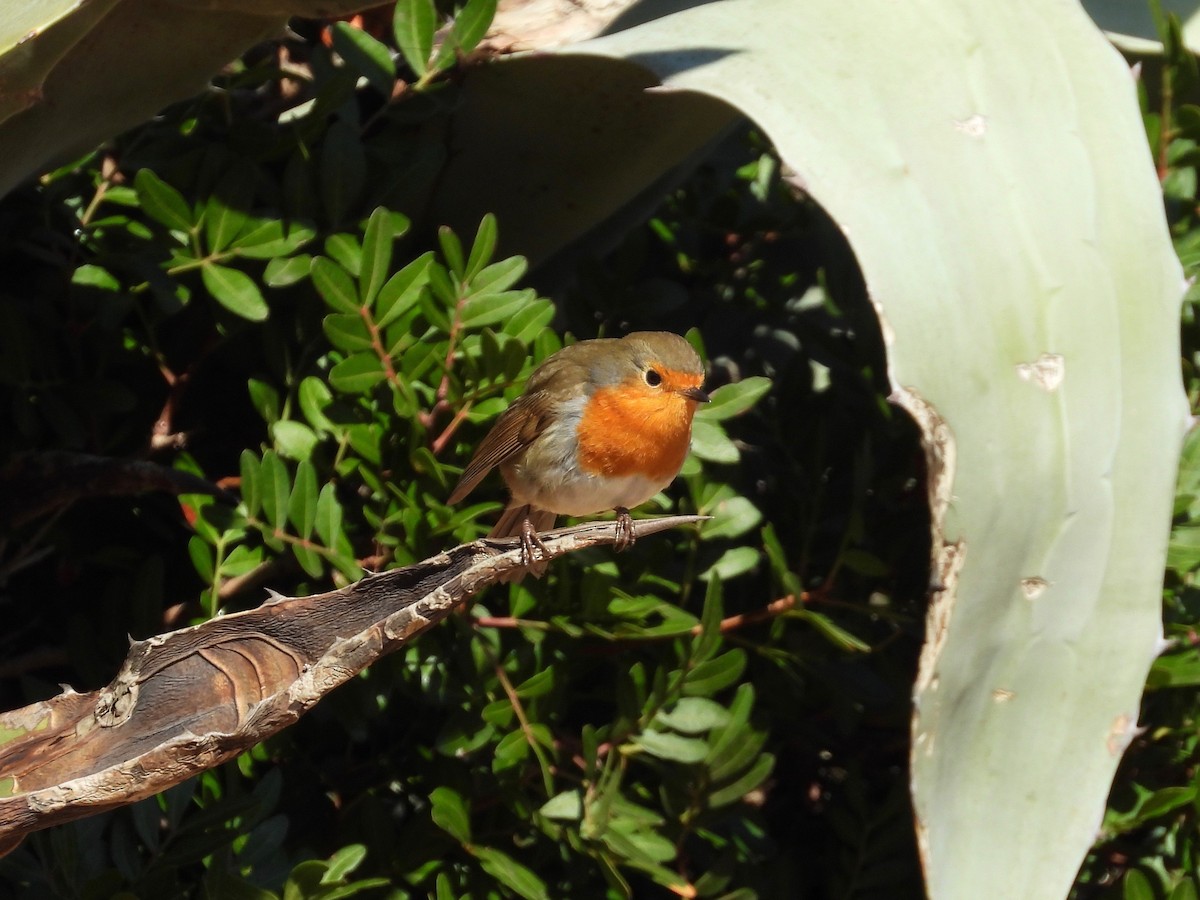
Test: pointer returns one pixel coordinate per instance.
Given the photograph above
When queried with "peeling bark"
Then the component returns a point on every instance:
(191, 699)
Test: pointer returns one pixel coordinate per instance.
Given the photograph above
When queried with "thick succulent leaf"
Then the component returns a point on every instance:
(595, 147)
(73, 73)
(988, 165)
(31, 45)
(103, 73)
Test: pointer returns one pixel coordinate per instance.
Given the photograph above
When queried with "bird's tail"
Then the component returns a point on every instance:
(516, 513)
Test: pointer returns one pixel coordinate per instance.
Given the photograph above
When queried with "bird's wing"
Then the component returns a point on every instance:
(517, 428)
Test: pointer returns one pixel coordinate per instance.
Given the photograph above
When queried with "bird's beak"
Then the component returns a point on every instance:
(695, 394)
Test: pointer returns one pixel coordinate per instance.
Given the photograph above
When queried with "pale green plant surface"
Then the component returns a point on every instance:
(1010, 231)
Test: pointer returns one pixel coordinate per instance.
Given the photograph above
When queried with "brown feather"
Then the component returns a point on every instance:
(517, 428)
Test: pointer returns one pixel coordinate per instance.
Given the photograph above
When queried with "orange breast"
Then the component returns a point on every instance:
(630, 430)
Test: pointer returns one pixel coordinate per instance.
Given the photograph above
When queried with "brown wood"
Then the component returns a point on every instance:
(190, 699)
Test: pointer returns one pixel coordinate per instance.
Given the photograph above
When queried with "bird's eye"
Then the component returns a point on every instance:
(653, 378)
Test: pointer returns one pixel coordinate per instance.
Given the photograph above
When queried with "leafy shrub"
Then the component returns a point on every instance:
(244, 294)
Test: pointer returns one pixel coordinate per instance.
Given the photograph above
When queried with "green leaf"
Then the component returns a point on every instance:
(226, 211)
(1175, 669)
(710, 443)
(234, 290)
(249, 467)
(314, 397)
(779, 564)
(442, 287)
(376, 255)
(203, 558)
(736, 746)
(671, 747)
(511, 750)
(334, 285)
(269, 238)
(1136, 886)
(488, 233)
(733, 399)
(537, 685)
(528, 322)
(733, 562)
(1150, 805)
(89, 275)
(472, 23)
(414, 24)
(329, 516)
(264, 398)
(489, 309)
(732, 517)
(449, 813)
(743, 784)
(644, 847)
(733, 752)
(693, 715)
(275, 489)
(162, 202)
(302, 508)
(498, 276)
(402, 290)
(292, 439)
(357, 374)
(511, 873)
(347, 331)
(284, 271)
(706, 643)
(367, 55)
(241, 559)
(709, 677)
(343, 863)
(567, 806)
(499, 713)
(622, 842)
(346, 250)
(452, 252)
(1183, 551)
(309, 559)
(837, 635)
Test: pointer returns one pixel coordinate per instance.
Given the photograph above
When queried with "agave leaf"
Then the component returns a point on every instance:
(989, 168)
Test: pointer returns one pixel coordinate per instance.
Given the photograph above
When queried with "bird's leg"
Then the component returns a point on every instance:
(625, 535)
(530, 540)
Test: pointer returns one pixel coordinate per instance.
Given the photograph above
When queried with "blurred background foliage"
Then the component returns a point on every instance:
(246, 298)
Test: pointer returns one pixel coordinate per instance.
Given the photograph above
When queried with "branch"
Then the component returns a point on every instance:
(191, 699)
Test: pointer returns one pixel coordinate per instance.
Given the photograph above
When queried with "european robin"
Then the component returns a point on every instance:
(602, 424)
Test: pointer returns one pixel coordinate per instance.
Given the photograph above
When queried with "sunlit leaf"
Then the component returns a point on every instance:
(235, 290)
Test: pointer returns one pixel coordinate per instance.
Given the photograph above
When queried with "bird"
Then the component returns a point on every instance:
(602, 424)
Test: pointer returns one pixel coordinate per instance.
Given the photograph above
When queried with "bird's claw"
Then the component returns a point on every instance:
(625, 533)
(530, 541)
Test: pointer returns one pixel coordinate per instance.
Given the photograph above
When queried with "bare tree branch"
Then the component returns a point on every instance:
(190, 699)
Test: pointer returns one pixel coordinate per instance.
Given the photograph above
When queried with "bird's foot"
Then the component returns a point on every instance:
(529, 542)
(625, 534)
